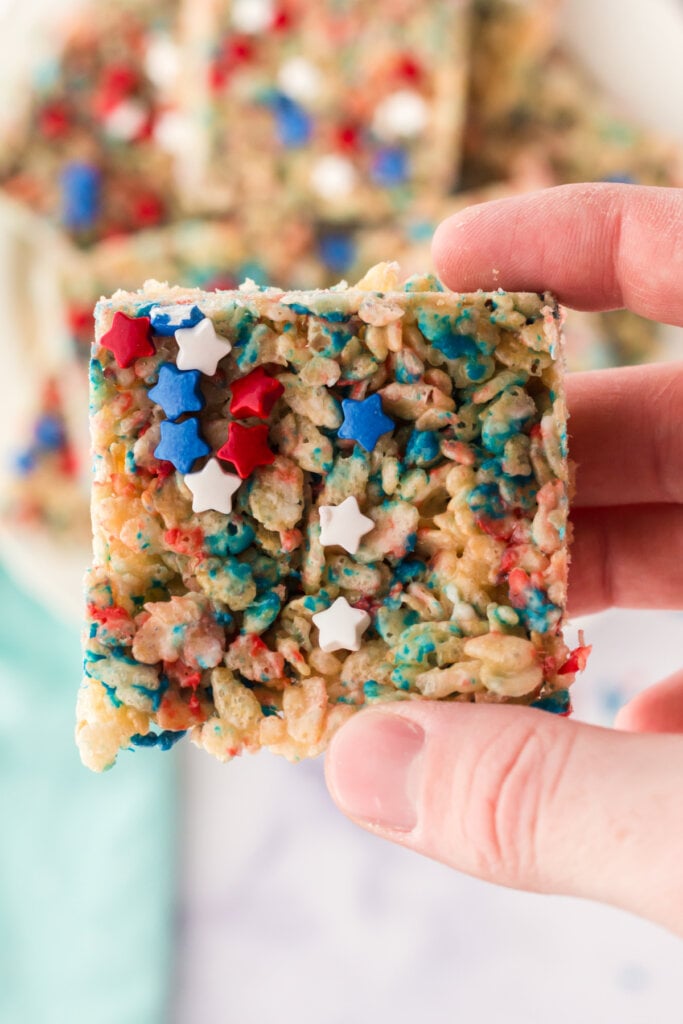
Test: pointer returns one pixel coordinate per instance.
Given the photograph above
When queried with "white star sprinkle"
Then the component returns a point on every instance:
(299, 79)
(212, 488)
(200, 348)
(333, 177)
(253, 16)
(341, 627)
(344, 525)
(126, 120)
(162, 60)
(401, 115)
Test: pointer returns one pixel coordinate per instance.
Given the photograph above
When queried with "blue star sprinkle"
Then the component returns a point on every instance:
(181, 444)
(337, 250)
(390, 166)
(81, 186)
(364, 421)
(166, 320)
(49, 432)
(293, 125)
(177, 391)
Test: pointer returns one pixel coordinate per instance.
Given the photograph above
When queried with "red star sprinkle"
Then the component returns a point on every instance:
(118, 81)
(348, 137)
(282, 19)
(247, 448)
(255, 394)
(129, 339)
(409, 68)
(54, 120)
(79, 318)
(147, 210)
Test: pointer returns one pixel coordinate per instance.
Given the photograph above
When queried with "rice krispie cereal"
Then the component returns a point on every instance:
(308, 502)
(342, 107)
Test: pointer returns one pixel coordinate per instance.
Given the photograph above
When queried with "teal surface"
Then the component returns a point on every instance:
(86, 862)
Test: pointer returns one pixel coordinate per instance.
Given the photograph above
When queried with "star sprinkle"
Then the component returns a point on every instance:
(200, 348)
(247, 448)
(167, 320)
(181, 444)
(177, 391)
(341, 627)
(128, 339)
(212, 488)
(255, 394)
(344, 525)
(364, 422)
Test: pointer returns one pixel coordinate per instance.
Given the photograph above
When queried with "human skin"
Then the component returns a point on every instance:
(514, 795)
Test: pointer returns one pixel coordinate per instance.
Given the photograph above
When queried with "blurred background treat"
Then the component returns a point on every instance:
(545, 108)
(359, 107)
(89, 150)
(201, 142)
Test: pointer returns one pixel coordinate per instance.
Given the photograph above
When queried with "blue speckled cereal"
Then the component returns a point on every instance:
(394, 466)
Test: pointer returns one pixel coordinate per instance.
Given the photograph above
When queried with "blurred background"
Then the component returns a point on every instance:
(296, 143)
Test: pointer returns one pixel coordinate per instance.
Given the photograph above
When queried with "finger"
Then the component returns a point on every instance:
(629, 557)
(596, 246)
(626, 434)
(518, 797)
(657, 709)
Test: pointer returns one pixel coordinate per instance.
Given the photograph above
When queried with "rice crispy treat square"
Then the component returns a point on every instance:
(343, 107)
(308, 502)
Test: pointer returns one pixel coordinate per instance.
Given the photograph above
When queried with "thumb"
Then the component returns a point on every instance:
(516, 796)
(657, 709)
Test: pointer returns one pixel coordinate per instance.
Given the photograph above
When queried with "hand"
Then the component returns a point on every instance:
(514, 795)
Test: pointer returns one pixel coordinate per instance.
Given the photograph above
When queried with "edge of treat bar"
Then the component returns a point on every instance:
(341, 299)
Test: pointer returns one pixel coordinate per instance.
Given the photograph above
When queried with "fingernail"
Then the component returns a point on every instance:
(374, 770)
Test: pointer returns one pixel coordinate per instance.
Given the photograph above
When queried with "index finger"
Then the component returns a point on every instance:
(595, 246)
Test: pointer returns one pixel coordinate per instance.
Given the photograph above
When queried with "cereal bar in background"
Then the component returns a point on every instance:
(347, 109)
(510, 41)
(557, 122)
(305, 502)
(93, 151)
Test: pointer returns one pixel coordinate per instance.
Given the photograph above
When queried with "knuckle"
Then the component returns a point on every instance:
(605, 563)
(516, 782)
(666, 436)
